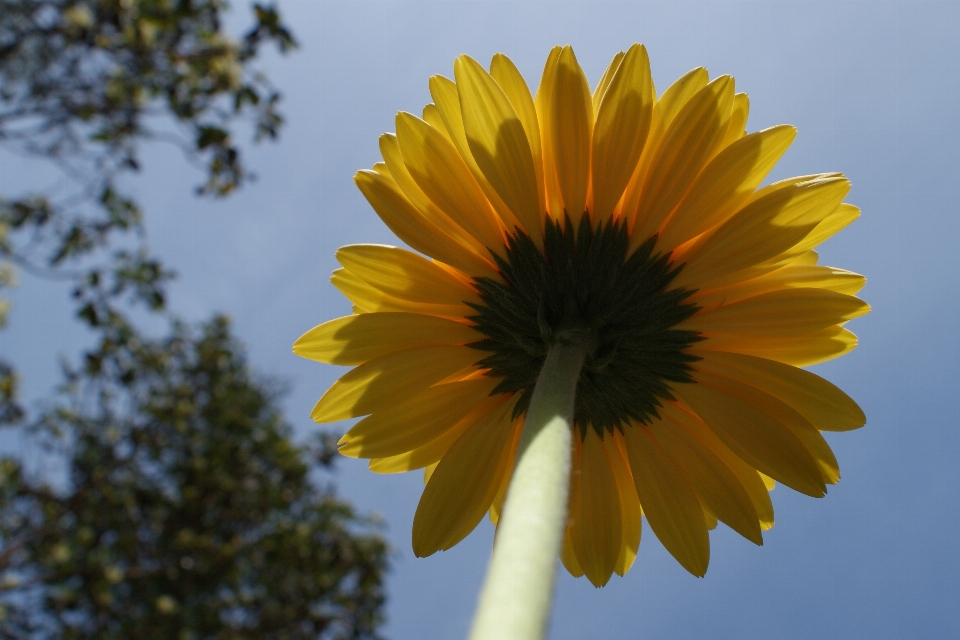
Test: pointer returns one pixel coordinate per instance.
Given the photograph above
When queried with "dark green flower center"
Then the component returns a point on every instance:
(585, 285)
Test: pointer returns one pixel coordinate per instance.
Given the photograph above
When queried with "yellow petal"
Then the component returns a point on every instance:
(623, 121)
(676, 97)
(440, 171)
(664, 112)
(567, 555)
(785, 313)
(671, 506)
(826, 406)
(393, 158)
(800, 253)
(464, 484)
(748, 477)
(358, 338)
(497, 507)
(763, 229)
(807, 258)
(431, 452)
(709, 518)
(409, 224)
(715, 484)
(629, 503)
(415, 421)
(447, 97)
(831, 225)
(761, 440)
(543, 102)
(601, 88)
(571, 123)
(783, 414)
(431, 115)
(685, 149)
(498, 142)
(515, 88)
(388, 379)
(791, 276)
(405, 275)
(368, 299)
(801, 351)
(736, 128)
(726, 184)
(597, 528)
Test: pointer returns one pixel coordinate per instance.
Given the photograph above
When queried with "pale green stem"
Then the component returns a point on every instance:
(515, 600)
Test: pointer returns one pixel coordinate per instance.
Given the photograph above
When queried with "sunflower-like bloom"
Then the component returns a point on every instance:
(635, 223)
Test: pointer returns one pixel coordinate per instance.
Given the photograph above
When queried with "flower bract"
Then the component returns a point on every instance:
(636, 224)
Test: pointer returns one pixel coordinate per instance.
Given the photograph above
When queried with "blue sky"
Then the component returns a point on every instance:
(873, 90)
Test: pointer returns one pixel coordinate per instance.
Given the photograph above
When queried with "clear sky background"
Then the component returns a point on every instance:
(874, 89)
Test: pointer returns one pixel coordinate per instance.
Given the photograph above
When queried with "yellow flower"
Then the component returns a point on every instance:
(632, 223)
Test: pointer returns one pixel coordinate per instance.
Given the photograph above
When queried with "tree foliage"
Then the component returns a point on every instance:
(189, 513)
(185, 511)
(84, 83)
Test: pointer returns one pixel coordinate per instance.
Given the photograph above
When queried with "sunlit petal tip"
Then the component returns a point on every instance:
(498, 142)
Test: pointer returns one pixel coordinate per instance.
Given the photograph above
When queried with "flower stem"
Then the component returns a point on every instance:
(515, 600)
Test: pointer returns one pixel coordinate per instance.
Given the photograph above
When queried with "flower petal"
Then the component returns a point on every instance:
(389, 379)
(390, 150)
(749, 478)
(405, 275)
(786, 313)
(415, 421)
(822, 403)
(499, 142)
(431, 452)
(686, 147)
(601, 88)
(358, 338)
(571, 128)
(623, 121)
(597, 528)
(726, 184)
(413, 228)
(842, 216)
(785, 415)
(736, 128)
(567, 555)
(440, 171)
(515, 88)
(630, 513)
(763, 229)
(664, 111)
(543, 102)
(464, 484)
(431, 115)
(715, 484)
(802, 351)
(792, 276)
(671, 506)
(760, 439)
(446, 94)
(496, 508)
(368, 299)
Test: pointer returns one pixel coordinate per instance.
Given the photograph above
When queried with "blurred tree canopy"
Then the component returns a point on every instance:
(84, 83)
(186, 510)
(189, 515)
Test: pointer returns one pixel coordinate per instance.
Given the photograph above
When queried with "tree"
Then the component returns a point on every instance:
(189, 513)
(84, 83)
